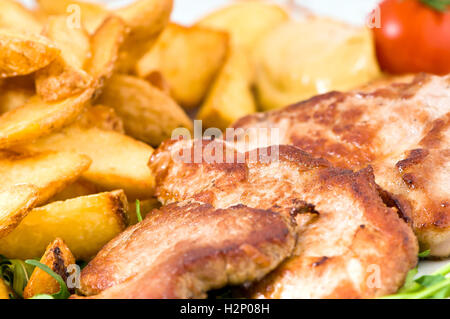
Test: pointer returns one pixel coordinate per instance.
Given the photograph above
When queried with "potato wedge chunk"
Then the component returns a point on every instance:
(15, 92)
(148, 114)
(15, 203)
(231, 97)
(13, 15)
(105, 45)
(38, 118)
(103, 117)
(91, 15)
(50, 172)
(189, 58)
(118, 161)
(4, 290)
(65, 76)
(22, 53)
(146, 19)
(247, 22)
(78, 188)
(57, 257)
(84, 223)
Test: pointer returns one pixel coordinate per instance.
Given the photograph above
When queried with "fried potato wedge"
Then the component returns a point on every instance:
(4, 290)
(38, 118)
(22, 53)
(15, 203)
(15, 92)
(146, 19)
(103, 117)
(118, 161)
(91, 15)
(57, 257)
(146, 206)
(189, 58)
(148, 114)
(15, 16)
(50, 172)
(85, 224)
(247, 22)
(230, 97)
(105, 45)
(78, 188)
(65, 76)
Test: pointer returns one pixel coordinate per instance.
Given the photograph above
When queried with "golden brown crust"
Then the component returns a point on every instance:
(338, 212)
(186, 249)
(384, 126)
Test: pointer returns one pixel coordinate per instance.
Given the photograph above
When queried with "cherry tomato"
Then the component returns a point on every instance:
(414, 36)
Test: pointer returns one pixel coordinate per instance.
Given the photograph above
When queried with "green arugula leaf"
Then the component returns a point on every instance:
(424, 254)
(63, 291)
(16, 274)
(138, 210)
(410, 284)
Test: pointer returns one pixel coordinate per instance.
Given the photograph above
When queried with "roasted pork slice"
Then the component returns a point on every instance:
(186, 249)
(401, 129)
(350, 244)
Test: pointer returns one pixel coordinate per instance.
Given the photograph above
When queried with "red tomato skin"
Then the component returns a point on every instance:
(413, 38)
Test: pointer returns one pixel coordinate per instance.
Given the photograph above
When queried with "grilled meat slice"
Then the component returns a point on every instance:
(185, 249)
(386, 128)
(350, 244)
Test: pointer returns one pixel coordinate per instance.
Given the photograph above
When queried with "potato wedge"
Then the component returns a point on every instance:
(148, 114)
(146, 205)
(15, 92)
(50, 172)
(57, 257)
(15, 203)
(146, 20)
(118, 161)
(189, 58)
(102, 117)
(78, 188)
(65, 76)
(247, 22)
(38, 118)
(230, 97)
(13, 15)
(4, 290)
(84, 223)
(105, 45)
(156, 79)
(22, 53)
(91, 15)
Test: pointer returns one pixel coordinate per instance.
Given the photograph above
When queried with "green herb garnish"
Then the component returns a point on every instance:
(434, 286)
(63, 291)
(16, 274)
(424, 253)
(138, 210)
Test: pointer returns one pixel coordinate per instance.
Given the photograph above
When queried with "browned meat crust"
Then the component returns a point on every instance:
(385, 126)
(186, 249)
(350, 244)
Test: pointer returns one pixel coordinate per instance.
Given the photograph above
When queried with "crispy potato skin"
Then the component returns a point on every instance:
(23, 54)
(203, 50)
(15, 203)
(50, 172)
(85, 223)
(4, 290)
(112, 168)
(38, 118)
(57, 257)
(148, 114)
